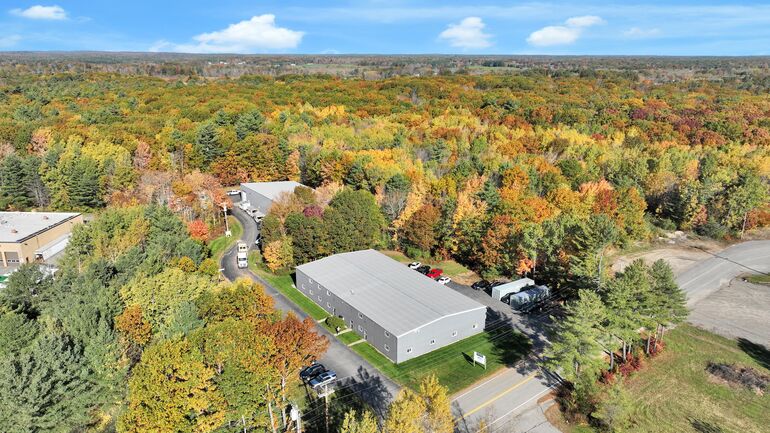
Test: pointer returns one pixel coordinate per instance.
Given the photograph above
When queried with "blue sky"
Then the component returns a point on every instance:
(655, 27)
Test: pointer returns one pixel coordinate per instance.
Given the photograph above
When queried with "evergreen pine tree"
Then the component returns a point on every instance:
(575, 348)
(45, 389)
(13, 183)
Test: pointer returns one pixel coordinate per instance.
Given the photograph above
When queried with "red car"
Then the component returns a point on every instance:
(435, 273)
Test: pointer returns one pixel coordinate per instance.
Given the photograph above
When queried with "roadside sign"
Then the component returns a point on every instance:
(480, 359)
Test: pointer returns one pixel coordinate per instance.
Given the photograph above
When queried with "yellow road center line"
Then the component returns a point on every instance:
(498, 396)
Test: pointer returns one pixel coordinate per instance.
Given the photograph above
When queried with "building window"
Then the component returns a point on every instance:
(328, 305)
(319, 299)
(475, 325)
(360, 328)
(433, 341)
(387, 348)
(409, 350)
(328, 293)
(387, 334)
(309, 291)
(454, 333)
(310, 280)
(360, 315)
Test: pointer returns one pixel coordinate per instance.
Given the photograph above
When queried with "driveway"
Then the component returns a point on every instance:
(356, 377)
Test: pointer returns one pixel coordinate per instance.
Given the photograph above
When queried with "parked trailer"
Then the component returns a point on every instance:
(513, 287)
(529, 297)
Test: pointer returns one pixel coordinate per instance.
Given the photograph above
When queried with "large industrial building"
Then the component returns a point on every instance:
(261, 195)
(27, 237)
(401, 312)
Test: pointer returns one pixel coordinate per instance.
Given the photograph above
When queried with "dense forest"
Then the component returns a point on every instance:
(136, 333)
(537, 173)
(509, 174)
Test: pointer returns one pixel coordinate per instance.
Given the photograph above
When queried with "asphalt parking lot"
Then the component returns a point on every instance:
(736, 310)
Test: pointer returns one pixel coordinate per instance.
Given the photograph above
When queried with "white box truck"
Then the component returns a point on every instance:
(243, 255)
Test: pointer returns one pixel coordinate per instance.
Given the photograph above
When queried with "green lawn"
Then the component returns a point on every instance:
(219, 245)
(453, 365)
(759, 279)
(450, 267)
(285, 285)
(349, 337)
(674, 393)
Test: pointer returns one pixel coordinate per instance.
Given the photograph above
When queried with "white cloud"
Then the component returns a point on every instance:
(258, 34)
(39, 12)
(9, 41)
(584, 21)
(553, 35)
(468, 34)
(563, 35)
(640, 33)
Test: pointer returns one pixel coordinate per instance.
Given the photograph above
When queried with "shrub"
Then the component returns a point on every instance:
(335, 322)
(712, 229)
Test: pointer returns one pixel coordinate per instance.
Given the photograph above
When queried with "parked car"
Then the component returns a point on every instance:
(414, 265)
(322, 379)
(234, 192)
(443, 280)
(257, 240)
(435, 273)
(481, 285)
(423, 269)
(310, 372)
(506, 298)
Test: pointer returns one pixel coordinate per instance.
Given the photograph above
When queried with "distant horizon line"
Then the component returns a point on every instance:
(176, 53)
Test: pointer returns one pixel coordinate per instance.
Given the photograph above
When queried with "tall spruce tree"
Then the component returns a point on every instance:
(46, 388)
(671, 305)
(14, 183)
(575, 349)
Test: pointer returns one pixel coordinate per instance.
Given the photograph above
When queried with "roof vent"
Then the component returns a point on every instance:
(14, 231)
(45, 217)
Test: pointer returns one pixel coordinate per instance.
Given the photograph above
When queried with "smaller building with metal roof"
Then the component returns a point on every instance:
(399, 311)
(261, 195)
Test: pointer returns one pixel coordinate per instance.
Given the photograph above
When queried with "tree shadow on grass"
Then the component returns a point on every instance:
(361, 392)
(705, 427)
(756, 351)
(509, 345)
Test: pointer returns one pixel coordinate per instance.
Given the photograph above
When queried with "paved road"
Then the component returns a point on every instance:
(508, 401)
(356, 376)
(706, 277)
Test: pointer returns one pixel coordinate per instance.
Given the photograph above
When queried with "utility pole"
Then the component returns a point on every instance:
(227, 225)
(326, 407)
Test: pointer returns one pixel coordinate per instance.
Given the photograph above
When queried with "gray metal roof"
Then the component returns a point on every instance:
(397, 298)
(18, 226)
(271, 190)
